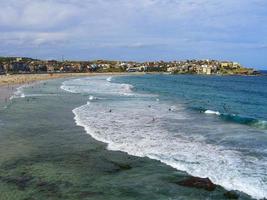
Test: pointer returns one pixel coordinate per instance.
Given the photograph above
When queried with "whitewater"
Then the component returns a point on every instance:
(147, 124)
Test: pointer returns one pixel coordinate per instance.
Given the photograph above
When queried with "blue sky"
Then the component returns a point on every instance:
(136, 29)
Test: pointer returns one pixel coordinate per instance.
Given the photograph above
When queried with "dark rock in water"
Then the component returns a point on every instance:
(196, 182)
(21, 182)
(231, 195)
(120, 166)
(124, 166)
(47, 187)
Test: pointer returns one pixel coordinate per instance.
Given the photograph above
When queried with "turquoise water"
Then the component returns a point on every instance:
(206, 126)
(170, 126)
(239, 99)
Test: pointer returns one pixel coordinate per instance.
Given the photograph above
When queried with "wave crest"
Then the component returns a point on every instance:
(249, 121)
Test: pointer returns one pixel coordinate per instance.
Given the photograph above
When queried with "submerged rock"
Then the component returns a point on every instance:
(196, 182)
(231, 195)
(21, 181)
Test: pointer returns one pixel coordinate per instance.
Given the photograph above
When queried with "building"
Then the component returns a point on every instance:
(225, 64)
(2, 69)
(18, 59)
(172, 69)
(206, 69)
(20, 67)
(236, 65)
(50, 69)
(132, 69)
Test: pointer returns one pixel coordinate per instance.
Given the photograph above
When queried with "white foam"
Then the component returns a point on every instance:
(109, 79)
(211, 112)
(145, 127)
(261, 124)
(91, 98)
(140, 135)
(92, 86)
(19, 92)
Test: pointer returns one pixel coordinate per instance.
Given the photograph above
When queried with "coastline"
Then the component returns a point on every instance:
(9, 83)
(29, 78)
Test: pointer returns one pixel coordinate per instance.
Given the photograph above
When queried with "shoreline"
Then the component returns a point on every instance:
(29, 78)
(10, 83)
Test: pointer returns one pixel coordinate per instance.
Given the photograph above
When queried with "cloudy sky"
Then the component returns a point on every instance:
(136, 29)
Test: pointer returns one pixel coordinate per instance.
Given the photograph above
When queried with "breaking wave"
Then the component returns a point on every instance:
(262, 124)
(146, 127)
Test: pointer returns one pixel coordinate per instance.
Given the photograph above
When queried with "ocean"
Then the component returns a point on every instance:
(143, 134)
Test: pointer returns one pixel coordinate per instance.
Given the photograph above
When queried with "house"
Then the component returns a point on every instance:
(207, 69)
(105, 66)
(18, 59)
(132, 69)
(143, 68)
(20, 67)
(41, 68)
(236, 65)
(2, 69)
(77, 67)
(172, 69)
(50, 68)
(225, 64)
(32, 67)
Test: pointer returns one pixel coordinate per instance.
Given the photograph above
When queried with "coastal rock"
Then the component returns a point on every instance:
(196, 182)
(231, 195)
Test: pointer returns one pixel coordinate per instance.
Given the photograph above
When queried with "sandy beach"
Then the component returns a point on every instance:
(28, 78)
(9, 83)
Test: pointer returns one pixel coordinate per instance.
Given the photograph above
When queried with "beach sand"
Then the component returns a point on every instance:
(27, 78)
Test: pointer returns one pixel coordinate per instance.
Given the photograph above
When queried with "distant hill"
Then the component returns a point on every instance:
(11, 59)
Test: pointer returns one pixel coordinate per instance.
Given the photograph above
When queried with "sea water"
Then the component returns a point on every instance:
(207, 126)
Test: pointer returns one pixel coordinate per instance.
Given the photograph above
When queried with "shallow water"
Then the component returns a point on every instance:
(207, 126)
(44, 155)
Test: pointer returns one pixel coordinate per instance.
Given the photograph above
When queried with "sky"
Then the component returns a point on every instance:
(138, 30)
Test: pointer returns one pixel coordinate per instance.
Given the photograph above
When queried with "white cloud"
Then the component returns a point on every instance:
(32, 38)
(133, 24)
(32, 15)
